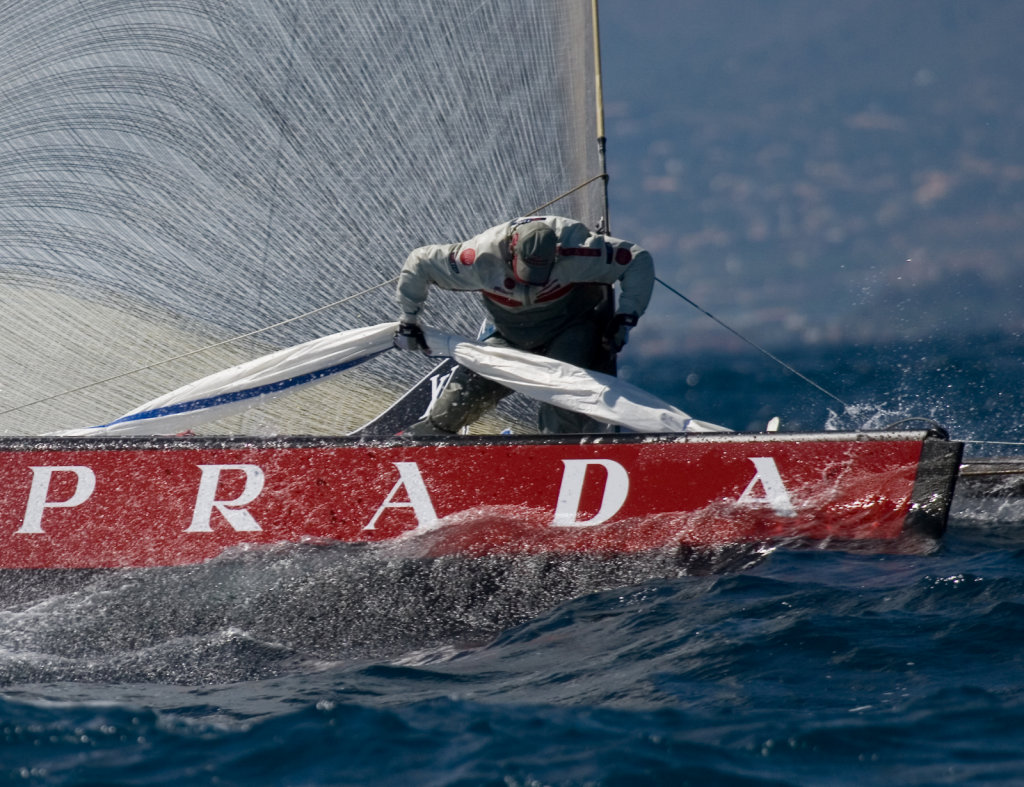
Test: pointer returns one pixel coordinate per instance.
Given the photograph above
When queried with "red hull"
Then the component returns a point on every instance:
(81, 503)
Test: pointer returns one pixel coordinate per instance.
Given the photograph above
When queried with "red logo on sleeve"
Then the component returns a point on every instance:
(467, 256)
(623, 256)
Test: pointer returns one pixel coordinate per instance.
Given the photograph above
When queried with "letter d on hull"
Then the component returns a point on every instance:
(616, 489)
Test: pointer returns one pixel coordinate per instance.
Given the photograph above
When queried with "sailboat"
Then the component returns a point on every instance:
(241, 184)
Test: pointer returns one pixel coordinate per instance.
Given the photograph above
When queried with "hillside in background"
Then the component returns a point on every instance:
(819, 172)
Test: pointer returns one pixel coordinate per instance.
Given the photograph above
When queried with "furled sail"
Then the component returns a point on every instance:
(602, 397)
(179, 174)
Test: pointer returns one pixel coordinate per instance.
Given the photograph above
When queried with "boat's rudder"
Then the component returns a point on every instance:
(934, 487)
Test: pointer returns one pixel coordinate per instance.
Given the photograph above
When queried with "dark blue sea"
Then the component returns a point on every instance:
(320, 665)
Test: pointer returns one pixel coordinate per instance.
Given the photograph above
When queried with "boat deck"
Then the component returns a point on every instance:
(989, 477)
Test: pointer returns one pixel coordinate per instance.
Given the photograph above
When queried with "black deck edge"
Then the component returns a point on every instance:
(934, 487)
(59, 443)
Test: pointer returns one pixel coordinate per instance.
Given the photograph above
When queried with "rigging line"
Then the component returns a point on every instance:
(573, 190)
(239, 337)
(992, 442)
(258, 331)
(602, 140)
(751, 343)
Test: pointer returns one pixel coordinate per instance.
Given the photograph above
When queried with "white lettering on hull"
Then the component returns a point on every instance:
(39, 493)
(231, 510)
(776, 496)
(616, 489)
(765, 489)
(419, 499)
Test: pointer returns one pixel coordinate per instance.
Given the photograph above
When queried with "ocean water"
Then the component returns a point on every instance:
(343, 664)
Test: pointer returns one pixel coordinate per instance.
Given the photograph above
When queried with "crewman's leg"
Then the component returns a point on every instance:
(465, 398)
(580, 345)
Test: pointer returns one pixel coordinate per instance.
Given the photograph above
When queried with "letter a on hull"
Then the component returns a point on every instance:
(775, 493)
(419, 499)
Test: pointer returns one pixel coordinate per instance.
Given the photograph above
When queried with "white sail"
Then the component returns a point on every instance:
(600, 396)
(177, 174)
(249, 384)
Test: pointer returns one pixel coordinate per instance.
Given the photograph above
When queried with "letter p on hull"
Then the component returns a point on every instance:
(40, 491)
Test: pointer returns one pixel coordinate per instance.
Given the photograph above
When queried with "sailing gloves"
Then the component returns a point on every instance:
(409, 336)
(617, 333)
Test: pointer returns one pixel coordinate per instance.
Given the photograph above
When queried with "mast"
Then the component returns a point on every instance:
(604, 226)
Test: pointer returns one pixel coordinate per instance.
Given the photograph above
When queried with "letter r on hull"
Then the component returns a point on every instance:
(231, 510)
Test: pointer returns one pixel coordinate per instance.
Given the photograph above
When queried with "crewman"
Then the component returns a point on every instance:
(545, 284)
